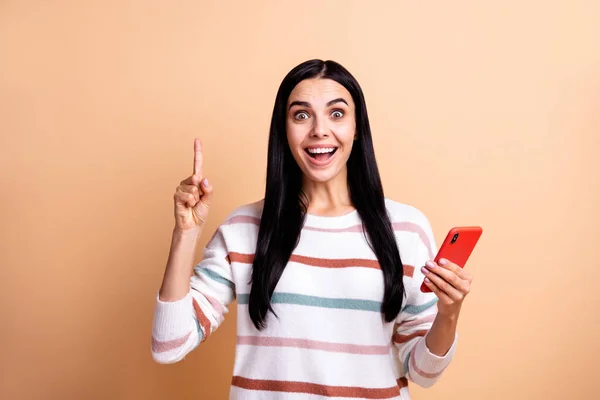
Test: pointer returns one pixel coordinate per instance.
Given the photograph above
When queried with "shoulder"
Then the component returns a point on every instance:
(407, 214)
(246, 211)
(409, 220)
(239, 228)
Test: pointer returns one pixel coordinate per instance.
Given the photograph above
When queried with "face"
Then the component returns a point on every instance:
(321, 128)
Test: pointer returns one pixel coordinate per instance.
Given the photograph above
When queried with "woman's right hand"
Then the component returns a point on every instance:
(193, 195)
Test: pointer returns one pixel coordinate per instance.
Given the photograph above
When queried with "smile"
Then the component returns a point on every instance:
(320, 156)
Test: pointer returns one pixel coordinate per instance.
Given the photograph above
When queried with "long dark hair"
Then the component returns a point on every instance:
(285, 205)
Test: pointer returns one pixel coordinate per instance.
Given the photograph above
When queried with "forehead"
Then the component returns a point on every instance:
(319, 91)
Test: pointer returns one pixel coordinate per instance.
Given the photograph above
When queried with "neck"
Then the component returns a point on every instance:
(330, 198)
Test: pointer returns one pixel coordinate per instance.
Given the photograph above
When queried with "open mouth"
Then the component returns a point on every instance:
(321, 154)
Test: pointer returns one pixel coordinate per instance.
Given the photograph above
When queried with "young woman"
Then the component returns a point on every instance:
(326, 271)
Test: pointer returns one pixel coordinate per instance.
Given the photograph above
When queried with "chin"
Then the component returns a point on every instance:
(320, 176)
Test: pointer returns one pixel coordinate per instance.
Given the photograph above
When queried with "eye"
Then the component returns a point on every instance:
(301, 115)
(337, 114)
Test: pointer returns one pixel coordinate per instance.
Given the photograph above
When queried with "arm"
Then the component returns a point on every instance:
(451, 284)
(425, 338)
(176, 280)
(442, 334)
(188, 309)
(418, 325)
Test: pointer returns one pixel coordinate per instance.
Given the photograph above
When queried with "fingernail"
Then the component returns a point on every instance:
(427, 279)
(430, 264)
(205, 182)
(443, 262)
(424, 270)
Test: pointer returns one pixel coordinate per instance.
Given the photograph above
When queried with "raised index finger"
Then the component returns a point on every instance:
(197, 157)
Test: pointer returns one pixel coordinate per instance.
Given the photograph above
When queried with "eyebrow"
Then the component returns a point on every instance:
(307, 104)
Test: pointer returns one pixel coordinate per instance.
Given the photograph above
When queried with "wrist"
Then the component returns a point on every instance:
(185, 238)
(448, 317)
(194, 232)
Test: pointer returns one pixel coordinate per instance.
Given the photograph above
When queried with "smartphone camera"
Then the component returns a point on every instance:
(454, 238)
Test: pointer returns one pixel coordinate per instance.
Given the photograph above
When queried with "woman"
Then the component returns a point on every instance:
(326, 271)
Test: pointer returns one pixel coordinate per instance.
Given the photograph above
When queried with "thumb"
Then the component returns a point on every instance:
(207, 193)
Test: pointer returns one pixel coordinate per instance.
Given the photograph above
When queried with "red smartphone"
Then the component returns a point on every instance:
(457, 247)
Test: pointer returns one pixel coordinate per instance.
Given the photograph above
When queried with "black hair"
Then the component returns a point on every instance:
(285, 205)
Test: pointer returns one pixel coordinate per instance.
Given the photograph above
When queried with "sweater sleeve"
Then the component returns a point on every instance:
(179, 326)
(419, 365)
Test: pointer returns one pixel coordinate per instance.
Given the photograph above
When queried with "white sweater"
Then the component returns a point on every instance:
(331, 339)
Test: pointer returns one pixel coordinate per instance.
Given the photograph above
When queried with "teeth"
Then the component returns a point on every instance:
(320, 151)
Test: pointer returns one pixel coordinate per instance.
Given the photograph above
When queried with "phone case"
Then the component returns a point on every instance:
(457, 247)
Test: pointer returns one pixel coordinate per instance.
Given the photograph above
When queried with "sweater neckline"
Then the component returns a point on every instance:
(337, 221)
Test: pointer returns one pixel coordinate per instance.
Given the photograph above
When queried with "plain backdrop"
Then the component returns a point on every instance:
(482, 113)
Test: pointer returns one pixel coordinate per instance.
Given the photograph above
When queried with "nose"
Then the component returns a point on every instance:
(320, 129)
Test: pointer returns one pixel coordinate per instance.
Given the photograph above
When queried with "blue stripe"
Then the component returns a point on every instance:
(323, 302)
(215, 277)
(406, 362)
(411, 309)
(200, 333)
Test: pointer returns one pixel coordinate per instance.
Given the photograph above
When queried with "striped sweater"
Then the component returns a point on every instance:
(330, 338)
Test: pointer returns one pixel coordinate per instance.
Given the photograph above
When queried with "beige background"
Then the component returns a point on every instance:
(482, 113)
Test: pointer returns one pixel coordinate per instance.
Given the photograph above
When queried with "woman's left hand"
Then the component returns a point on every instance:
(450, 283)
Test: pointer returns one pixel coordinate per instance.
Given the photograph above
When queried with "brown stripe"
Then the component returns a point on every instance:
(418, 321)
(402, 382)
(204, 322)
(335, 263)
(313, 388)
(322, 262)
(398, 338)
(241, 258)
